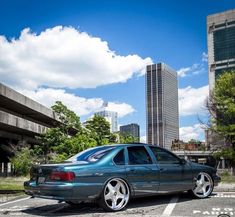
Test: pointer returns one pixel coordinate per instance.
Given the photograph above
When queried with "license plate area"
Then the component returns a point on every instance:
(41, 180)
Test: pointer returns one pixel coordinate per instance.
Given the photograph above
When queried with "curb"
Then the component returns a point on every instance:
(10, 191)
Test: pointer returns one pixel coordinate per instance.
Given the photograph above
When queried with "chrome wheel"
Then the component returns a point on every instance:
(204, 185)
(116, 194)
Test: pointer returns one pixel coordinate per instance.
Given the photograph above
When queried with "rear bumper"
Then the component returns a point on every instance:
(64, 191)
(57, 191)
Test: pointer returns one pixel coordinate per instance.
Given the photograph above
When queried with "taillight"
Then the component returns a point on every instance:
(62, 176)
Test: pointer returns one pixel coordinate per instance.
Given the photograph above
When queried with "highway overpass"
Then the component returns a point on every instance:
(21, 119)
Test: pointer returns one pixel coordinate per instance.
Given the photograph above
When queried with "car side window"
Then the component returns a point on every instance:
(164, 157)
(138, 155)
(119, 159)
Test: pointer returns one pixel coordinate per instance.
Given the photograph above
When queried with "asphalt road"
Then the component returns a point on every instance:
(169, 205)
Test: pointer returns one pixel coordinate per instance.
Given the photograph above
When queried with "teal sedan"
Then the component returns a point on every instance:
(112, 174)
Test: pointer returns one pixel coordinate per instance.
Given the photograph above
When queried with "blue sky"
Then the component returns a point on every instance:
(134, 31)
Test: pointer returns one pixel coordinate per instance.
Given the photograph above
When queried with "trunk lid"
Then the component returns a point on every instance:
(41, 173)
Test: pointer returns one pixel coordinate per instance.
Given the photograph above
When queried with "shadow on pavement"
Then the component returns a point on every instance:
(135, 206)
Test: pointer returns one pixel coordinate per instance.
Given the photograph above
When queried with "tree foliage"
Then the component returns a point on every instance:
(69, 119)
(127, 138)
(58, 144)
(22, 161)
(221, 106)
(100, 130)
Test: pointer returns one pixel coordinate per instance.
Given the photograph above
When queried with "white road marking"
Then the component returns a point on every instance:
(14, 201)
(224, 194)
(170, 207)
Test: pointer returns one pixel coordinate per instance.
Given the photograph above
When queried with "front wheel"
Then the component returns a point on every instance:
(204, 186)
(116, 195)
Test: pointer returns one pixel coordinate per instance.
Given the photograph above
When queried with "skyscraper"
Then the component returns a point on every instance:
(132, 130)
(221, 57)
(162, 105)
(110, 116)
(221, 44)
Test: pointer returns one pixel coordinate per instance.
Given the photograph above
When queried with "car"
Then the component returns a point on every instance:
(113, 174)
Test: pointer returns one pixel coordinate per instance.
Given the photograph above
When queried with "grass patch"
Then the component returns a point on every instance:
(12, 183)
(227, 178)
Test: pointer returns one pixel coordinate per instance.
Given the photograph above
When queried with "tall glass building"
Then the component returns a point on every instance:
(221, 44)
(161, 105)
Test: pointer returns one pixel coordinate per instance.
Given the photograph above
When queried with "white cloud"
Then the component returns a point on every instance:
(122, 109)
(191, 132)
(182, 72)
(204, 57)
(143, 139)
(80, 105)
(192, 100)
(195, 69)
(64, 57)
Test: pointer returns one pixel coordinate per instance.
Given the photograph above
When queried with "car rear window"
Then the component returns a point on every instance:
(91, 155)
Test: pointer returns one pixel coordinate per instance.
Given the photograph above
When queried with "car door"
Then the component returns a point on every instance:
(175, 174)
(142, 173)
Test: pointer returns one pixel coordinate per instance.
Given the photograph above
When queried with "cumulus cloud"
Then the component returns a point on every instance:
(182, 72)
(191, 132)
(192, 100)
(80, 105)
(204, 57)
(195, 69)
(143, 139)
(64, 57)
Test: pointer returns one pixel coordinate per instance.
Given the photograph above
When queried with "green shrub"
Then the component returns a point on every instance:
(22, 161)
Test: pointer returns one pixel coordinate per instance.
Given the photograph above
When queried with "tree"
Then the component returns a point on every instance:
(100, 130)
(127, 138)
(69, 119)
(55, 144)
(221, 106)
(82, 141)
(58, 144)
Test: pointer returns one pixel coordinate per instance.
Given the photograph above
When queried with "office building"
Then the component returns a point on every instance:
(221, 57)
(161, 105)
(110, 116)
(131, 130)
(221, 44)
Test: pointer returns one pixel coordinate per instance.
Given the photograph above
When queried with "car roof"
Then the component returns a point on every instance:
(129, 144)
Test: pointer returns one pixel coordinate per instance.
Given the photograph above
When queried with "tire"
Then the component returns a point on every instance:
(203, 187)
(115, 195)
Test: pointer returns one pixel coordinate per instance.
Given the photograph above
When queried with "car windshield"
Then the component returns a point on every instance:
(91, 155)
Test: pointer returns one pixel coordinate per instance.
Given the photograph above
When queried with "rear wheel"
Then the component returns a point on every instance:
(116, 195)
(204, 186)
